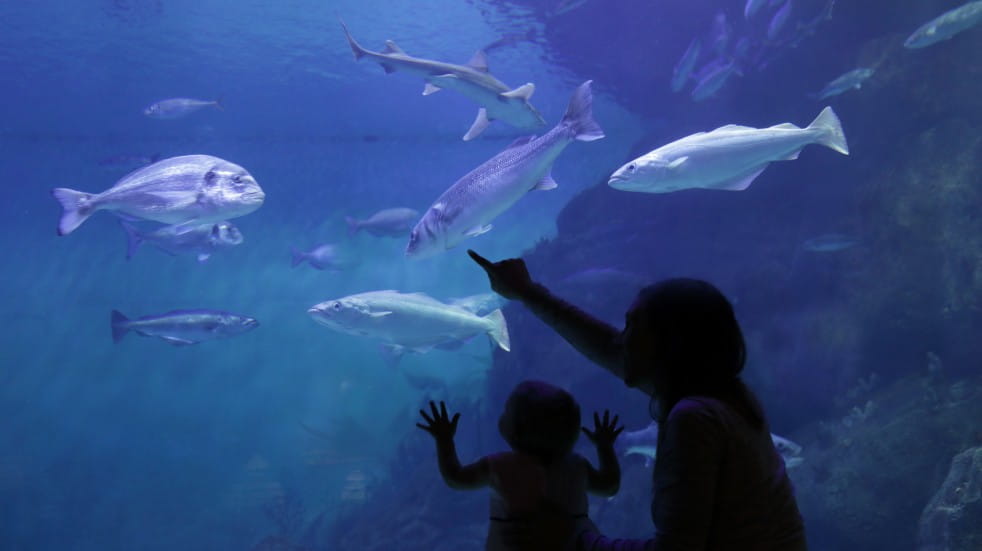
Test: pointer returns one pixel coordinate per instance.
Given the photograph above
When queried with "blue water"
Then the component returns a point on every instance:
(144, 445)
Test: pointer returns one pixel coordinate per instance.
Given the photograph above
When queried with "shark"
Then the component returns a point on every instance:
(474, 80)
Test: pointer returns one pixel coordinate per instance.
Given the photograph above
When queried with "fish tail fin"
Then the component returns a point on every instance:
(133, 239)
(119, 324)
(76, 208)
(355, 46)
(579, 115)
(296, 257)
(353, 225)
(499, 330)
(220, 103)
(831, 134)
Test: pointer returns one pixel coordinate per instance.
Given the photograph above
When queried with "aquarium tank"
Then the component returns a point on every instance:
(236, 270)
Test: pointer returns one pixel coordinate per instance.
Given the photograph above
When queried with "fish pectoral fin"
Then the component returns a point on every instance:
(523, 92)
(480, 123)
(741, 182)
(430, 88)
(545, 184)
(387, 68)
(203, 257)
(392, 48)
(677, 163)
(177, 341)
(479, 62)
(380, 314)
(478, 230)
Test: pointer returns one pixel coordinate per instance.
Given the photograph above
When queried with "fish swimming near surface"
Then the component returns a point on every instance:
(683, 70)
(498, 101)
(946, 25)
(728, 158)
(644, 442)
(322, 257)
(202, 240)
(853, 80)
(394, 222)
(191, 189)
(830, 243)
(183, 327)
(408, 322)
(176, 108)
(712, 78)
(780, 18)
(466, 209)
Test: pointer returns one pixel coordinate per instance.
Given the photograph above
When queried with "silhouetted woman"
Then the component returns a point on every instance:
(719, 484)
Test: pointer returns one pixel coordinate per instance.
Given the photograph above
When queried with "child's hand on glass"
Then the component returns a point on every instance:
(604, 432)
(439, 424)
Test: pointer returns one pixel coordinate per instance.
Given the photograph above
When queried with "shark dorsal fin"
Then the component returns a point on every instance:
(523, 92)
(392, 48)
(479, 62)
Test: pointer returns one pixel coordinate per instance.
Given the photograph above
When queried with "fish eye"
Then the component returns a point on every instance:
(237, 179)
(632, 167)
(337, 306)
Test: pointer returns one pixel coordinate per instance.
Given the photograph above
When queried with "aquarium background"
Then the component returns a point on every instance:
(295, 437)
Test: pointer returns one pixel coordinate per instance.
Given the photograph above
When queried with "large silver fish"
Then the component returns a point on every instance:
(466, 209)
(176, 108)
(853, 80)
(195, 189)
(498, 101)
(728, 158)
(183, 327)
(946, 25)
(385, 223)
(202, 240)
(408, 321)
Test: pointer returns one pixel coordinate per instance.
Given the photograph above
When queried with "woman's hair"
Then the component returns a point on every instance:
(541, 420)
(698, 346)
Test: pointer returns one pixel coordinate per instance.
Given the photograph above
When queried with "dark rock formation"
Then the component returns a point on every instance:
(952, 520)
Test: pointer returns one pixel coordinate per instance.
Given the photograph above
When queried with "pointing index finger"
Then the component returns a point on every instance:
(481, 261)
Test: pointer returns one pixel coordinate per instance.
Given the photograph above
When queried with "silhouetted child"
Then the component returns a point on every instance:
(541, 423)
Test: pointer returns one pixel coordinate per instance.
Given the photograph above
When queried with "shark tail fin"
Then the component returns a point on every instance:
(831, 134)
(296, 257)
(579, 115)
(119, 324)
(499, 330)
(355, 46)
(76, 208)
(133, 239)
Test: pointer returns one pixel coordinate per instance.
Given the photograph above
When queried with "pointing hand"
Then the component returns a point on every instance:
(509, 278)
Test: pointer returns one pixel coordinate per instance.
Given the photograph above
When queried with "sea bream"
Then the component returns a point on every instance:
(202, 240)
(191, 189)
(498, 101)
(728, 158)
(183, 327)
(395, 222)
(407, 322)
(946, 25)
(176, 108)
(466, 209)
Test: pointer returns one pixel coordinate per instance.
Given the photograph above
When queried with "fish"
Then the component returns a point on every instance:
(720, 34)
(395, 222)
(408, 322)
(497, 100)
(712, 78)
(830, 243)
(202, 240)
(780, 18)
(176, 108)
(566, 6)
(853, 80)
(467, 207)
(752, 7)
(644, 442)
(728, 158)
(946, 25)
(183, 327)
(482, 304)
(129, 160)
(322, 257)
(191, 189)
(683, 70)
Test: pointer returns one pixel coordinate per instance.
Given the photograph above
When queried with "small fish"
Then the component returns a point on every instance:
(322, 257)
(712, 78)
(407, 322)
(176, 108)
(720, 34)
(183, 327)
(473, 80)
(466, 209)
(752, 7)
(728, 158)
(946, 25)
(385, 223)
(853, 80)
(683, 70)
(779, 20)
(644, 442)
(830, 243)
(191, 189)
(128, 160)
(202, 240)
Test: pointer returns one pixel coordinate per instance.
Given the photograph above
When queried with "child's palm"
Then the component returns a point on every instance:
(439, 424)
(605, 431)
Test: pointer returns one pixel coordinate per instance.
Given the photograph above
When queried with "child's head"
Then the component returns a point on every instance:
(540, 419)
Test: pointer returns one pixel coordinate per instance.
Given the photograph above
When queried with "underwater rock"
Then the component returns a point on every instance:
(952, 521)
